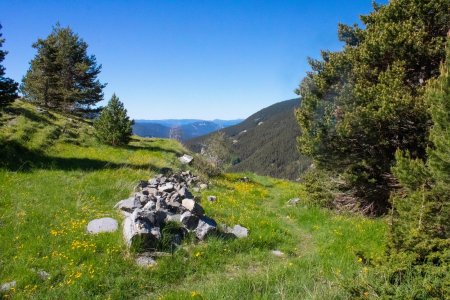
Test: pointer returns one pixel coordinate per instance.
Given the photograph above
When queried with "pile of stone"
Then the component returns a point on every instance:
(165, 199)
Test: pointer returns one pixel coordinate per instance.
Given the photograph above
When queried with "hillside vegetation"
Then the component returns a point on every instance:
(55, 177)
(264, 143)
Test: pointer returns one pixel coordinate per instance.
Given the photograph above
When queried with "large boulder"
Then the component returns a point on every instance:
(102, 225)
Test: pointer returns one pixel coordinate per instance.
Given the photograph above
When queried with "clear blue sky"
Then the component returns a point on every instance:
(187, 59)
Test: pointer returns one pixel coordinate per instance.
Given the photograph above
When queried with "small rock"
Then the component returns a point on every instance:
(196, 189)
(186, 159)
(277, 253)
(212, 198)
(193, 207)
(145, 261)
(5, 287)
(293, 201)
(205, 227)
(151, 205)
(244, 179)
(203, 186)
(239, 231)
(102, 225)
(189, 220)
(43, 275)
(167, 187)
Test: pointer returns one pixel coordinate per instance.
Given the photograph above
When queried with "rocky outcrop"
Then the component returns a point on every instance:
(164, 200)
(160, 215)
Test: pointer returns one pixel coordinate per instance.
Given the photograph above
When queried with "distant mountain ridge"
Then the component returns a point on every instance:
(181, 129)
(265, 142)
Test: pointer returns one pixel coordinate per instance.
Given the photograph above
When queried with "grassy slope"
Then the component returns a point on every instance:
(47, 201)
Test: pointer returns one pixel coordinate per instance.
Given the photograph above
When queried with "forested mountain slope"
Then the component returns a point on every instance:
(264, 143)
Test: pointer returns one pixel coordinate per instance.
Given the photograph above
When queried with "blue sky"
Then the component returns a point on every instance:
(187, 59)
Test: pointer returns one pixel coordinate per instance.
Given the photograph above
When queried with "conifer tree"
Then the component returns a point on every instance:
(62, 75)
(420, 228)
(113, 126)
(8, 88)
(362, 103)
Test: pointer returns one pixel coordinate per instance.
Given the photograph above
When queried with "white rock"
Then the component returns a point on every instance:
(43, 275)
(5, 287)
(186, 159)
(102, 225)
(293, 201)
(277, 253)
(193, 207)
(239, 231)
(167, 187)
(145, 261)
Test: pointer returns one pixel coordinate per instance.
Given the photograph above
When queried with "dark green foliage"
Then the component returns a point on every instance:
(113, 126)
(62, 75)
(361, 104)
(265, 143)
(418, 257)
(8, 88)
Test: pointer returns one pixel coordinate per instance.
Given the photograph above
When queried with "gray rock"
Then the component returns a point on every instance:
(203, 186)
(293, 201)
(189, 220)
(193, 207)
(196, 189)
(102, 225)
(239, 231)
(138, 233)
(128, 205)
(205, 227)
(145, 261)
(5, 287)
(186, 159)
(212, 198)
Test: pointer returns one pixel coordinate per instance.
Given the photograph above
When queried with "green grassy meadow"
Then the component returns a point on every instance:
(55, 178)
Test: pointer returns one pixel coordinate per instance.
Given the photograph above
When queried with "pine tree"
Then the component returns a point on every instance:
(62, 75)
(420, 229)
(8, 88)
(113, 126)
(362, 103)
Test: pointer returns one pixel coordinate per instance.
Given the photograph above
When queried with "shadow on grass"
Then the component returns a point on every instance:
(151, 148)
(20, 111)
(15, 157)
